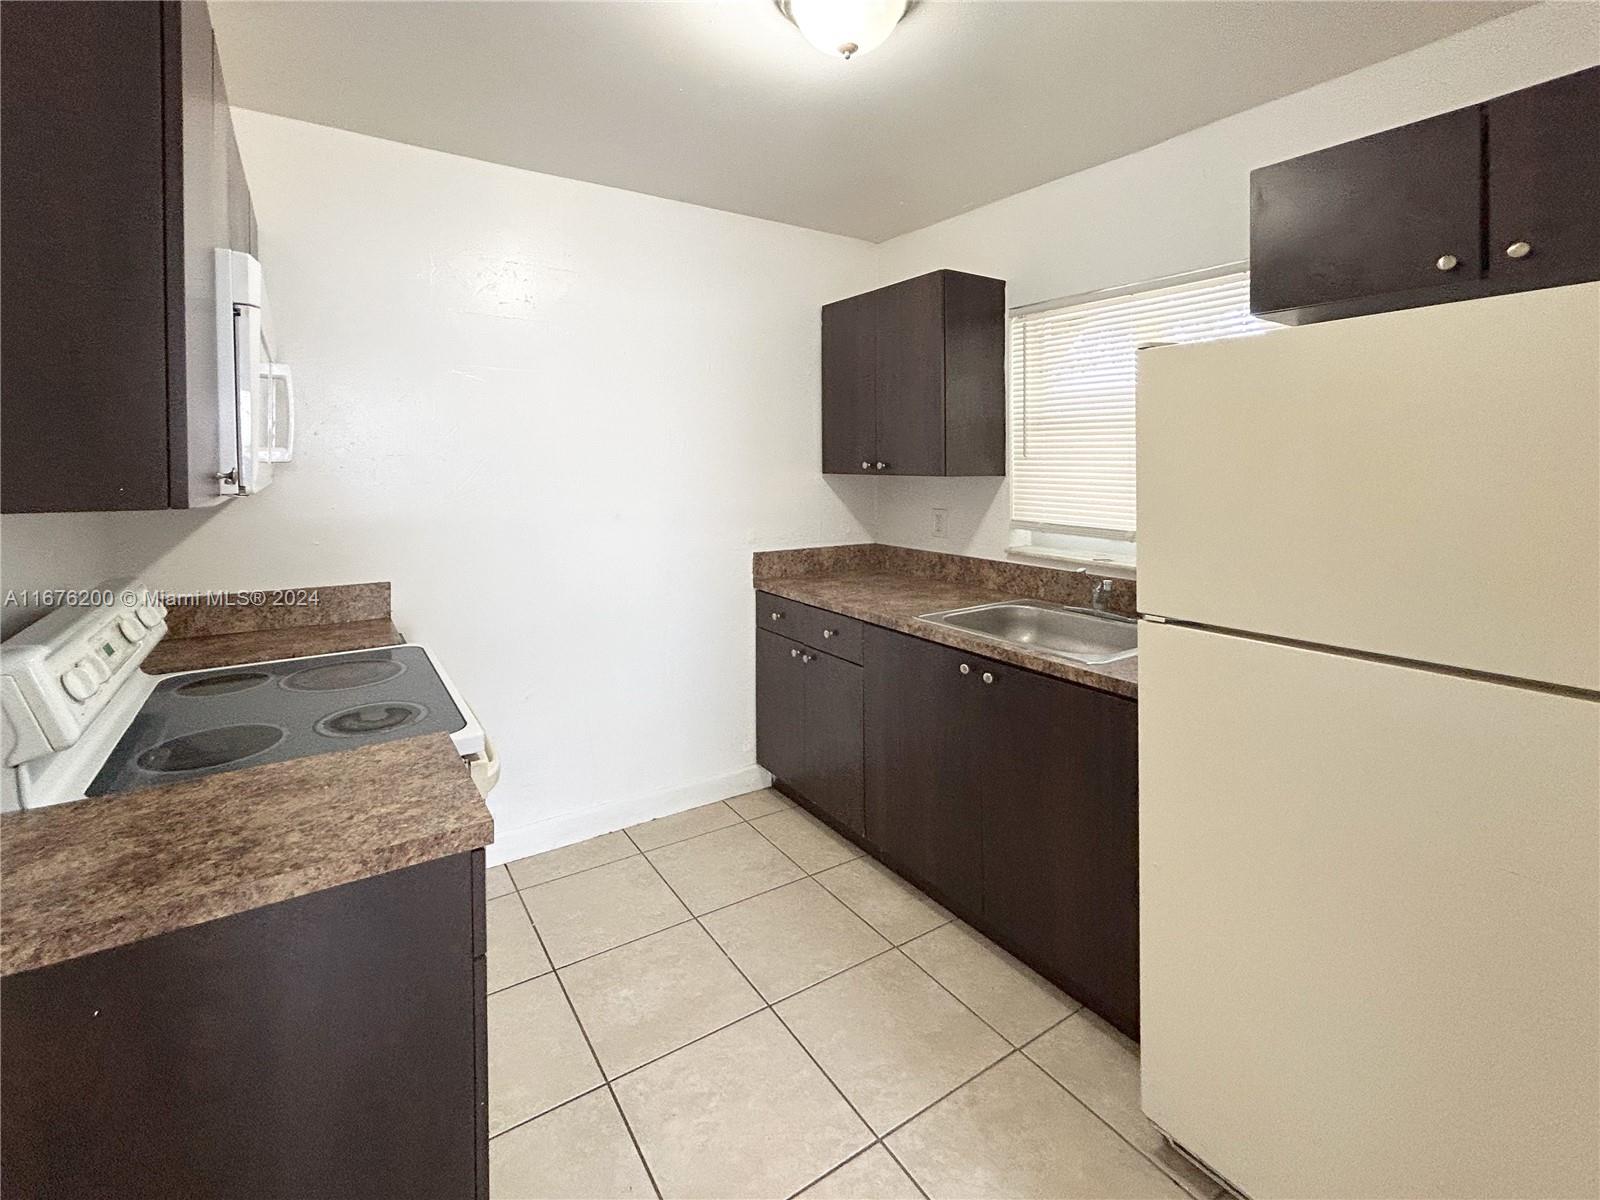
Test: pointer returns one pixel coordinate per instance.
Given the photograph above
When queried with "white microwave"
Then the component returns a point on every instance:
(255, 402)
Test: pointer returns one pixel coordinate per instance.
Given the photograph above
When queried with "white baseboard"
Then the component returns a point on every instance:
(565, 828)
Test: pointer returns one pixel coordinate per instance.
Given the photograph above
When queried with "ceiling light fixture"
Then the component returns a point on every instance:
(845, 28)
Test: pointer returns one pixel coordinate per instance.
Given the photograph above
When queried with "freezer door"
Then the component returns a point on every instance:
(1368, 923)
(1423, 484)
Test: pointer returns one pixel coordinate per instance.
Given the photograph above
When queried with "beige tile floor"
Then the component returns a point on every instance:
(734, 1002)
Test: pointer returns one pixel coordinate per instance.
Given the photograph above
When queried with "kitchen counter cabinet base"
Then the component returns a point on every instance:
(330, 1045)
(1009, 797)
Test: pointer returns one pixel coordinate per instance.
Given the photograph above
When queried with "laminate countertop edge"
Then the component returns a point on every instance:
(99, 873)
(898, 601)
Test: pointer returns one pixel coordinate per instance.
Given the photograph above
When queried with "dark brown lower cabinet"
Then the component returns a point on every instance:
(780, 707)
(831, 772)
(924, 775)
(1010, 797)
(1013, 798)
(1061, 836)
(332, 1045)
(809, 725)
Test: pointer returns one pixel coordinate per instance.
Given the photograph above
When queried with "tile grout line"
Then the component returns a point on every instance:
(1094, 1112)
(517, 887)
(768, 1006)
(1012, 1048)
(905, 1170)
(806, 1050)
(598, 1065)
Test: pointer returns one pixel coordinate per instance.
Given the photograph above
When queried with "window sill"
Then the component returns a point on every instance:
(1101, 556)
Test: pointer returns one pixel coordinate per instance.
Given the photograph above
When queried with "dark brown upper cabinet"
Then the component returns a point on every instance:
(1543, 152)
(1499, 197)
(122, 179)
(913, 379)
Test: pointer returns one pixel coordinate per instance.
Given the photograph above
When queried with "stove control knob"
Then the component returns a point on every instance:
(94, 668)
(150, 616)
(130, 628)
(79, 684)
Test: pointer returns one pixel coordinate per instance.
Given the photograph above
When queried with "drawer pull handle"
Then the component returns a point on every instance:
(777, 616)
(881, 466)
(1518, 250)
(828, 633)
(794, 654)
(1447, 262)
(865, 465)
(966, 670)
(805, 658)
(988, 677)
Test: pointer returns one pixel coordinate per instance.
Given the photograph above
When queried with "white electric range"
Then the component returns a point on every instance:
(81, 718)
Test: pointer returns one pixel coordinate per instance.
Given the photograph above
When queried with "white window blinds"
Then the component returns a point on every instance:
(1072, 393)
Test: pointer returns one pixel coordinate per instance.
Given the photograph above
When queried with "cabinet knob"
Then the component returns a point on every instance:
(865, 465)
(1447, 262)
(880, 466)
(1518, 250)
(805, 658)
(988, 677)
(794, 654)
(775, 616)
(827, 633)
(966, 670)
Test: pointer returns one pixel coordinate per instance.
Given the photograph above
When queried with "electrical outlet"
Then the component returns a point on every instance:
(941, 522)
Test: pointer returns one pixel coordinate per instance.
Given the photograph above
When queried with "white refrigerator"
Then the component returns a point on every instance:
(1369, 751)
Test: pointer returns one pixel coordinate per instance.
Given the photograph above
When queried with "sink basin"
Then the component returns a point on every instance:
(1077, 634)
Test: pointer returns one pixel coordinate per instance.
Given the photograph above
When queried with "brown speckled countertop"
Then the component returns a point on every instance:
(265, 645)
(87, 876)
(893, 586)
(267, 625)
(115, 869)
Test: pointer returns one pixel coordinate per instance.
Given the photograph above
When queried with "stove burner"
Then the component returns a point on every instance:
(337, 677)
(370, 718)
(221, 685)
(210, 748)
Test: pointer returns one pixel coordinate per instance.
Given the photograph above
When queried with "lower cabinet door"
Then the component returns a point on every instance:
(780, 707)
(1061, 835)
(832, 778)
(330, 1045)
(923, 786)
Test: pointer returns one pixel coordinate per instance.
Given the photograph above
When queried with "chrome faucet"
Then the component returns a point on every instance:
(1100, 595)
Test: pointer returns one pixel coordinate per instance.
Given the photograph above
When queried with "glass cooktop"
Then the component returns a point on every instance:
(234, 717)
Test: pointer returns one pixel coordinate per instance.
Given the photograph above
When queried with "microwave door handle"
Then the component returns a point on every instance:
(280, 373)
(246, 343)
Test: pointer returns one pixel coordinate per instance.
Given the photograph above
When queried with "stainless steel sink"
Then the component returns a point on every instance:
(1079, 634)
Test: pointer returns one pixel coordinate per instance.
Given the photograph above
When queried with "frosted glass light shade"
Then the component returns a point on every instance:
(845, 28)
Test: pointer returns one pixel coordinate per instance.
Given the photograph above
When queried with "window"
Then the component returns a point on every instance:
(1072, 404)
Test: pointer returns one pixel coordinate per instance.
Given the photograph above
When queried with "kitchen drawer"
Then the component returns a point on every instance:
(834, 634)
(817, 628)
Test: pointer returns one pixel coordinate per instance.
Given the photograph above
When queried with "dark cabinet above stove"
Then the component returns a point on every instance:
(122, 180)
(1498, 197)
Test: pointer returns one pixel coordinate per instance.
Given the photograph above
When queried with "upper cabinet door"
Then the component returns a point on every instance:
(849, 404)
(84, 250)
(1394, 212)
(913, 378)
(1544, 183)
(910, 371)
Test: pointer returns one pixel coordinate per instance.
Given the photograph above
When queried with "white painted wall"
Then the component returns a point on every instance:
(1184, 205)
(559, 417)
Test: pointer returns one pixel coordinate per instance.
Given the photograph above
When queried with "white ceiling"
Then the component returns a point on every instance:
(725, 105)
